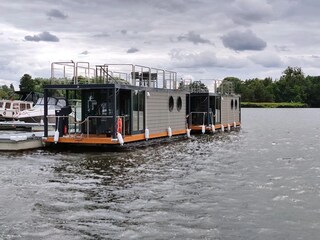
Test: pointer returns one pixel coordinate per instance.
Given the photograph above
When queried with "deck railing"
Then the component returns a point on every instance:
(200, 118)
(133, 74)
(76, 127)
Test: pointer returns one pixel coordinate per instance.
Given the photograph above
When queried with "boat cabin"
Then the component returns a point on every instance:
(10, 109)
(138, 102)
(216, 109)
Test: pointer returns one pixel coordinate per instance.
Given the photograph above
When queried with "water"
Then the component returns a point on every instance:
(259, 183)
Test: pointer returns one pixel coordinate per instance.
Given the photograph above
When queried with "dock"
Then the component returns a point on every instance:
(21, 125)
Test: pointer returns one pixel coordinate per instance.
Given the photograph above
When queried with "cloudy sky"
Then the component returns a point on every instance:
(202, 39)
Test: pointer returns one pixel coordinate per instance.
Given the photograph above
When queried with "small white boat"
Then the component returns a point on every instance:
(11, 109)
(18, 141)
(35, 115)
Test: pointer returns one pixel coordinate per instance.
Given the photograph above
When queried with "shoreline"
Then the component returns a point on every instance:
(273, 105)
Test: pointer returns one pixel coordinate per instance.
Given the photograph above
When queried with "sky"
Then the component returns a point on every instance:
(199, 39)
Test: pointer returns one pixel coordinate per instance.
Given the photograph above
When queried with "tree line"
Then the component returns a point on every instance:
(293, 86)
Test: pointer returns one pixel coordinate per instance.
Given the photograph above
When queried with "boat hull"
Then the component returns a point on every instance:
(37, 119)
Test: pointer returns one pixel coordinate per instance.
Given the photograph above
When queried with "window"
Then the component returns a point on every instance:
(179, 104)
(231, 103)
(15, 105)
(235, 104)
(22, 106)
(171, 103)
(8, 105)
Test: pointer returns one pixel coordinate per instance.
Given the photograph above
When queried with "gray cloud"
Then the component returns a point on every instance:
(205, 59)
(156, 22)
(84, 52)
(132, 50)
(44, 36)
(55, 13)
(194, 38)
(268, 60)
(102, 35)
(241, 41)
(282, 48)
(179, 6)
(247, 12)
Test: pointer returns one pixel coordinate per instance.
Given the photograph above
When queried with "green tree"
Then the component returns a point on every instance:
(196, 86)
(257, 90)
(236, 83)
(313, 89)
(291, 86)
(26, 83)
(39, 83)
(12, 87)
(6, 92)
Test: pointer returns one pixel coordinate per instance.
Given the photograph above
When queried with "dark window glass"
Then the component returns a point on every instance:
(171, 103)
(179, 104)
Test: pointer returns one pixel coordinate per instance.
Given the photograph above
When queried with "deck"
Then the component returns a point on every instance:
(94, 139)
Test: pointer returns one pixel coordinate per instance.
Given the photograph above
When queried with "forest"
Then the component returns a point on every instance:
(292, 87)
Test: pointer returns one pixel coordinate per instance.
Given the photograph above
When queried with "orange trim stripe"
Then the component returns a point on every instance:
(94, 139)
(217, 126)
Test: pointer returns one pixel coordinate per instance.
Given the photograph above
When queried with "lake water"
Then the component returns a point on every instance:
(262, 182)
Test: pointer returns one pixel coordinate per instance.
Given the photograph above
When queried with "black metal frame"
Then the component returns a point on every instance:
(114, 87)
(203, 94)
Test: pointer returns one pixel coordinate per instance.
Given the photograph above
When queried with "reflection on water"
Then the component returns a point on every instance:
(257, 183)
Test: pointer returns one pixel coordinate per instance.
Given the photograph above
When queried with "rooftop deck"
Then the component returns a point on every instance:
(126, 74)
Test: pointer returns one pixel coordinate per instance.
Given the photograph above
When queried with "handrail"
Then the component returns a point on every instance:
(64, 64)
(145, 75)
(189, 116)
(87, 120)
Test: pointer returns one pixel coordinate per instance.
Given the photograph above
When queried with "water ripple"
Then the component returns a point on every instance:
(256, 183)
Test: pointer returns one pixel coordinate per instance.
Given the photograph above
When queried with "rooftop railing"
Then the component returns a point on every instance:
(131, 74)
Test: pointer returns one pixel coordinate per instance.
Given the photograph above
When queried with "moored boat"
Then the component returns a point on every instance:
(36, 114)
(11, 109)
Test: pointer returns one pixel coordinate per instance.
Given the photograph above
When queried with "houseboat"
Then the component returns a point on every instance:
(219, 109)
(125, 103)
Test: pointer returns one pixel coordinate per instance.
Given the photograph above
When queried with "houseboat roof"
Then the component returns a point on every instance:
(82, 73)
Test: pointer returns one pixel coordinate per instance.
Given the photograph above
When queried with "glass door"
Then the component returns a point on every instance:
(138, 111)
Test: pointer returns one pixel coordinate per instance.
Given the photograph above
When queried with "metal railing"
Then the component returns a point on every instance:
(134, 74)
(198, 115)
(72, 72)
(76, 126)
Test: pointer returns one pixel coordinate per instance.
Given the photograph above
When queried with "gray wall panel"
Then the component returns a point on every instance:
(159, 118)
(228, 114)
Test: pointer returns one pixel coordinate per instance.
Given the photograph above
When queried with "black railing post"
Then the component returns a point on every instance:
(45, 119)
(114, 135)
